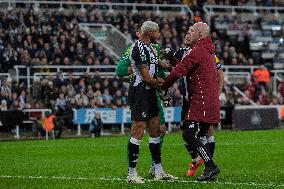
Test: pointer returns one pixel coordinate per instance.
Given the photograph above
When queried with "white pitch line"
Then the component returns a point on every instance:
(120, 179)
(170, 144)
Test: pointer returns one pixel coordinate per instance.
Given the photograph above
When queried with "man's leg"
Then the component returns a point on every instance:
(196, 161)
(191, 134)
(155, 140)
(162, 135)
(155, 149)
(162, 131)
(99, 132)
(137, 131)
(211, 140)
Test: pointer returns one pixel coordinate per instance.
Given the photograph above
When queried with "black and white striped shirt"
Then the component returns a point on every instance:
(143, 54)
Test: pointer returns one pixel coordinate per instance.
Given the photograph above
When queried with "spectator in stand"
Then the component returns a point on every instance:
(36, 117)
(79, 103)
(118, 103)
(117, 96)
(274, 101)
(3, 106)
(263, 98)
(59, 80)
(106, 95)
(14, 97)
(50, 94)
(245, 100)
(252, 88)
(262, 76)
(5, 91)
(281, 88)
(177, 99)
(82, 97)
(60, 102)
(99, 99)
(22, 99)
(108, 103)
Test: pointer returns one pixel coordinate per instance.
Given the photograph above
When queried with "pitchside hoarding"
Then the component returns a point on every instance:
(254, 118)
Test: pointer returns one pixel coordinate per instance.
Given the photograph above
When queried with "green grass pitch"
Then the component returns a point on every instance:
(247, 159)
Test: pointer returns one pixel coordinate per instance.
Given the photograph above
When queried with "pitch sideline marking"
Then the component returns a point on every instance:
(120, 179)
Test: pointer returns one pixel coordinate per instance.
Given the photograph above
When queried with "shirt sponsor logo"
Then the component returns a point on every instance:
(144, 114)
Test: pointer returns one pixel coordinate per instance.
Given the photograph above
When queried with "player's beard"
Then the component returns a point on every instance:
(187, 44)
(153, 40)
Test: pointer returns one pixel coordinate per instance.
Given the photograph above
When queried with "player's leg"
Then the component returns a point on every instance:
(162, 120)
(191, 133)
(162, 131)
(139, 120)
(184, 110)
(196, 161)
(155, 149)
(211, 140)
(137, 131)
(154, 139)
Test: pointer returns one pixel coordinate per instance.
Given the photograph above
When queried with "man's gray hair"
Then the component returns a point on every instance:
(149, 26)
(203, 28)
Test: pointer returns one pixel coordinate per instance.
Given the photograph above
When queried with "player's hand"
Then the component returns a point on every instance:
(138, 34)
(167, 97)
(160, 80)
(163, 130)
(130, 71)
(169, 53)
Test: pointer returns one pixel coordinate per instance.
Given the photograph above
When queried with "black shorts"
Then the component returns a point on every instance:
(143, 103)
(199, 129)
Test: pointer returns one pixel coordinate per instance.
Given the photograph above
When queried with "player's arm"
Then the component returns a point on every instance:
(181, 69)
(147, 78)
(161, 73)
(161, 65)
(173, 57)
(169, 55)
(221, 80)
(122, 68)
(220, 75)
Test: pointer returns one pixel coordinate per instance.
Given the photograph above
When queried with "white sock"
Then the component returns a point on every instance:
(132, 171)
(203, 140)
(210, 139)
(156, 140)
(135, 141)
(152, 169)
(195, 160)
(159, 169)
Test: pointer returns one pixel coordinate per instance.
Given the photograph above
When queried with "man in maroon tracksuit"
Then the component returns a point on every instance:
(199, 68)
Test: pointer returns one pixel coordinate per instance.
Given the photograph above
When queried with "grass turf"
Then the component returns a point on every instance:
(248, 159)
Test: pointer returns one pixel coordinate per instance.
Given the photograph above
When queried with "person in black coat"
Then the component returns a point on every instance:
(96, 125)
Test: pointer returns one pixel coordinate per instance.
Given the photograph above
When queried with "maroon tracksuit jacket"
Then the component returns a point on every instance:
(200, 69)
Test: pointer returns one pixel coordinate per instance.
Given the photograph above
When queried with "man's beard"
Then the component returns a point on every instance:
(187, 44)
(153, 40)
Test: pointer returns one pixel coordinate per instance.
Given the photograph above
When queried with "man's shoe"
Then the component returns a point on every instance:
(165, 176)
(193, 168)
(152, 172)
(135, 179)
(209, 174)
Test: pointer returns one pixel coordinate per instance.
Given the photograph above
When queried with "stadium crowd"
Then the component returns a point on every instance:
(199, 3)
(54, 38)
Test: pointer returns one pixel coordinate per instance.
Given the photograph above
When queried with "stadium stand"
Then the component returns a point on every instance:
(36, 47)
